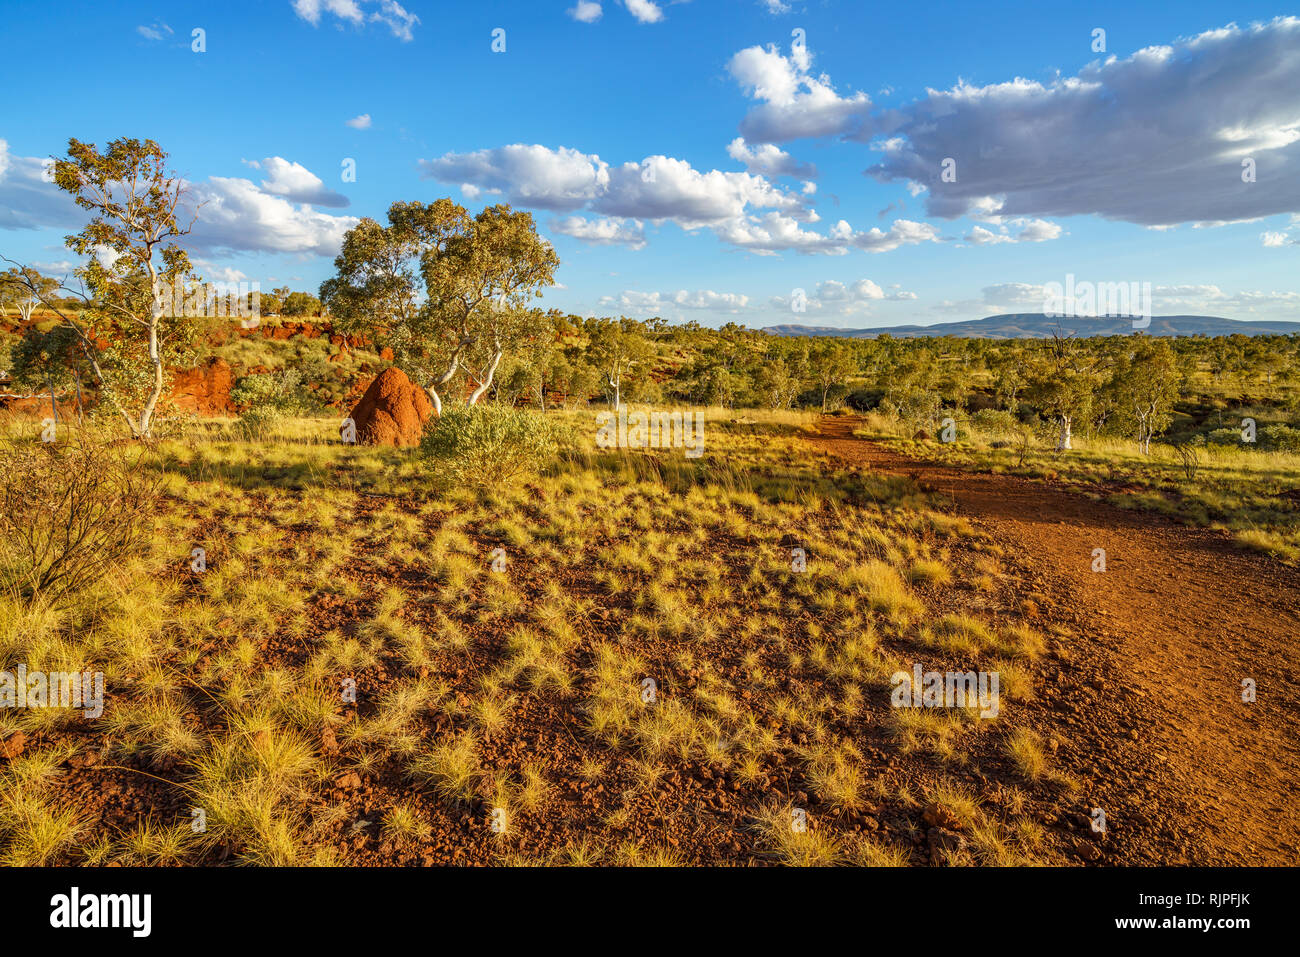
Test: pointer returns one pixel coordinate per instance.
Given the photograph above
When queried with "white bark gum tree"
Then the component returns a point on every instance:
(427, 285)
(131, 259)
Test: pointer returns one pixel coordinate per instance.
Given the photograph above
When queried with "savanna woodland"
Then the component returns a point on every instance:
(364, 587)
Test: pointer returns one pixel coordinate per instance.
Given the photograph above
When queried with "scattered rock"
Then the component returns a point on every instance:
(944, 842)
(83, 759)
(348, 781)
(1088, 852)
(12, 746)
(936, 815)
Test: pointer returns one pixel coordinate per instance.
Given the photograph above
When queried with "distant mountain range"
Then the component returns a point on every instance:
(1036, 325)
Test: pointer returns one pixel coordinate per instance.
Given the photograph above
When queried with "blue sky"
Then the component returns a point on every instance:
(619, 131)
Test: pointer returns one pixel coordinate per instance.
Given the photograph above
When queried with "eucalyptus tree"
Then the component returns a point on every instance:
(132, 263)
(444, 290)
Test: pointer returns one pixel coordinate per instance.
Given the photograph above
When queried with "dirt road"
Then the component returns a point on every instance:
(1149, 701)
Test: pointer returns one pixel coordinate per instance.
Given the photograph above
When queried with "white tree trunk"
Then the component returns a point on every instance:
(487, 379)
(1063, 441)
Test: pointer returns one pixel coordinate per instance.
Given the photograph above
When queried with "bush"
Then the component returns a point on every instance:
(994, 421)
(1283, 438)
(268, 398)
(69, 512)
(486, 445)
(1225, 437)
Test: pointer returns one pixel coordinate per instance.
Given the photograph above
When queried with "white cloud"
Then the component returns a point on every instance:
(400, 21)
(295, 182)
(659, 189)
(833, 297)
(602, 231)
(586, 11)
(1157, 138)
(636, 303)
(1030, 231)
(159, 31)
(310, 10)
(795, 104)
(213, 273)
(392, 14)
(361, 122)
(645, 11)
(775, 232)
(768, 160)
(775, 6)
(237, 215)
(27, 201)
(562, 179)
(904, 232)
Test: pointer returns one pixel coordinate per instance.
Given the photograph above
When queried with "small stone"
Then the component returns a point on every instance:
(936, 815)
(944, 842)
(83, 759)
(12, 746)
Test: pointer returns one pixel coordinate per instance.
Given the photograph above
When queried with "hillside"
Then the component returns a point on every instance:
(1036, 325)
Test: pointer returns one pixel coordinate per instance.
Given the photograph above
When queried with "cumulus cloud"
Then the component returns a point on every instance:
(27, 201)
(234, 214)
(398, 19)
(769, 160)
(238, 215)
(361, 122)
(744, 209)
(586, 11)
(1028, 231)
(298, 184)
(645, 11)
(1185, 299)
(794, 103)
(214, 273)
(636, 303)
(657, 188)
(602, 231)
(1157, 138)
(832, 297)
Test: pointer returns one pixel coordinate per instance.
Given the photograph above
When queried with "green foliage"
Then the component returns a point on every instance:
(268, 398)
(487, 445)
(1282, 438)
(994, 421)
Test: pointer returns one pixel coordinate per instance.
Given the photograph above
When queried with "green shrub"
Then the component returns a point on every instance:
(268, 398)
(486, 445)
(1283, 438)
(994, 421)
(1225, 437)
